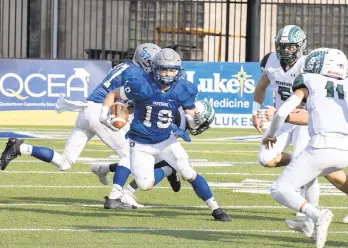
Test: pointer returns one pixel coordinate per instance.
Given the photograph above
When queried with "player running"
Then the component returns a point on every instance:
(155, 104)
(323, 87)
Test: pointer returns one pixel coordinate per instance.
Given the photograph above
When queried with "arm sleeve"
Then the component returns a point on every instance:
(188, 97)
(282, 113)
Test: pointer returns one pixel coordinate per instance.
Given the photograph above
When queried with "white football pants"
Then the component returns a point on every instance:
(288, 132)
(304, 170)
(144, 156)
(88, 125)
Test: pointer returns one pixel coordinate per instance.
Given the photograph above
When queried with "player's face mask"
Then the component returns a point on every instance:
(167, 75)
(287, 52)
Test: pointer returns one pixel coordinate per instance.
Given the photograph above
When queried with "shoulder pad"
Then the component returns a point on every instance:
(187, 93)
(137, 88)
(264, 61)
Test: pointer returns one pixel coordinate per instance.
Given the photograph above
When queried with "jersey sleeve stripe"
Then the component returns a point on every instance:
(123, 94)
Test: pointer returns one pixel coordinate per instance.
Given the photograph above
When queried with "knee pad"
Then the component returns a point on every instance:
(145, 183)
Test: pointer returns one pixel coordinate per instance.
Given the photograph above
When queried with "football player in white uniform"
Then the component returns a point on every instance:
(323, 87)
(279, 71)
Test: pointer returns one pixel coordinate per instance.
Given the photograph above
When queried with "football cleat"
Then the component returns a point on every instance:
(174, 181)
(220, 215)
(116, 204)
(345, 219)
(102, 176)
(11, 152)
(300, 226)
(129, 198)
(322, 226)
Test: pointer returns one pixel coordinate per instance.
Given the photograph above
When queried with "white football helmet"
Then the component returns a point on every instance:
(167, 58)
(290, 35)
(205, 115)
(144, 55)
(328, 62)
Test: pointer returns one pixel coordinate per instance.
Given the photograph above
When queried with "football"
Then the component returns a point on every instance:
(121, 114)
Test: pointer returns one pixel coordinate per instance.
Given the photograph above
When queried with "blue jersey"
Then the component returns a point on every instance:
(154, 110)
(116, 78)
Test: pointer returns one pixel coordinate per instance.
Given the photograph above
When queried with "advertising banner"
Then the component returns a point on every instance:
(36, 84)
(29, 88)
(229, 88)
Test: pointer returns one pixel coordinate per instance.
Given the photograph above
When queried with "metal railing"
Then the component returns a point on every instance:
(201, 30)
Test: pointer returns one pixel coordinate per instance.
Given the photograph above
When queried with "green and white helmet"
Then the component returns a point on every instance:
(328, 62)
(290, 35)
(205, 115)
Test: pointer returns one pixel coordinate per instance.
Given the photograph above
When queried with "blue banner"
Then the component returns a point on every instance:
(229, 88)
(27, 84)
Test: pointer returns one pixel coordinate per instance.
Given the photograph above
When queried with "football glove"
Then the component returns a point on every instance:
(107, 119)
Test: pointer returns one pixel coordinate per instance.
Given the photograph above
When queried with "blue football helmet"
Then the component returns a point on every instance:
(144, 55)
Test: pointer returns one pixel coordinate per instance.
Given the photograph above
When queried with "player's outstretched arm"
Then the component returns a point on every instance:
(259, 96)
(297, 116)
(282, 114)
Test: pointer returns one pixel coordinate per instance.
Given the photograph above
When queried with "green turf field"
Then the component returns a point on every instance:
(41, 207)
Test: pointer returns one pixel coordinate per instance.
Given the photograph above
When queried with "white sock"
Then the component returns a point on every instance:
(312, 192)
(212, 204)
(115, 191)
(311, 211)
(57, 159)
(167, 170)
(130, 188)
(26, 149)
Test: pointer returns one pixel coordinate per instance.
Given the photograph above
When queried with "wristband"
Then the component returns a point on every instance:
(105, 111)
(256, 107)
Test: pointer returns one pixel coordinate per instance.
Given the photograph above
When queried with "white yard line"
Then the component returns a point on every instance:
(30, 204)
(243, 187)
(193, 151)
(86, 172)
(113, 159)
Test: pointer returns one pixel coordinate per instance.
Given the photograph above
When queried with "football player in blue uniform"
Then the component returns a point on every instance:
(156, 101)
(87, 124)
(180, 129)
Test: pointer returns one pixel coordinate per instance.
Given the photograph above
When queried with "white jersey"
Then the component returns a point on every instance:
(327, 103)
(281, 81)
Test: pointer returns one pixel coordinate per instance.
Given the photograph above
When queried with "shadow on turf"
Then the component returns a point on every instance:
(60, 200)
(224, 237)
(160, 211)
